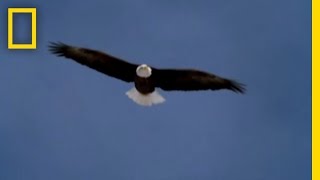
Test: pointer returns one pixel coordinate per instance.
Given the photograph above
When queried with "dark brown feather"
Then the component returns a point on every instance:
(99, 61)
(188, 80)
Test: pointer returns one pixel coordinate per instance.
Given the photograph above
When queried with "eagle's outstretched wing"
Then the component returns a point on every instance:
(99, 61)
(188, 80)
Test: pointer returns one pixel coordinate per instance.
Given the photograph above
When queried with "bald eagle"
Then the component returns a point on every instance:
(145, 78)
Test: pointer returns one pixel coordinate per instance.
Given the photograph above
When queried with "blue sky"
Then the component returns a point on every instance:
(61, 120)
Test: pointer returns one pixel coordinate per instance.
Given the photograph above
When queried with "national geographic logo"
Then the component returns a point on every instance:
(33, 12)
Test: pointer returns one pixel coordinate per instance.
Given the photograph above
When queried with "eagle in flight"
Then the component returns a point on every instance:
(146, 78)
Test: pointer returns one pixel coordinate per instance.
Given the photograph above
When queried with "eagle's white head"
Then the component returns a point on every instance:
(144, 71)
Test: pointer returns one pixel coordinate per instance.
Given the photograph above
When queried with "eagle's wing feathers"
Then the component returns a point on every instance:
(188, 80)
(99, 61)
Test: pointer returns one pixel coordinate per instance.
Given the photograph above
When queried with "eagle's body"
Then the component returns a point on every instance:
(145, 78)
(144, 85)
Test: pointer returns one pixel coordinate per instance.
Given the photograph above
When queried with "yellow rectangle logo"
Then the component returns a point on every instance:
(33, 12)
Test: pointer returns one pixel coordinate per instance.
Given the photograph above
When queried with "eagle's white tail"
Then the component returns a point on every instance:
(145, 100)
